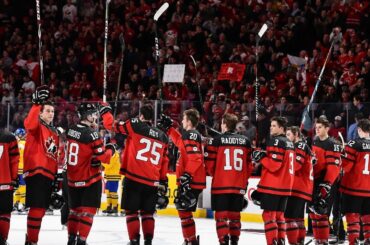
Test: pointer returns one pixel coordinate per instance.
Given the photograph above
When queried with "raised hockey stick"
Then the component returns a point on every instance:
(336, 36)
(41, 58)
(122, 41)
(106, 27)
(260, 34)
(158, 14)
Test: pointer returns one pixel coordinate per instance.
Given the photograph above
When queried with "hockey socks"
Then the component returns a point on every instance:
(234, 225)
(4, 226)
(188, 225)
(302, 230)
(86, 220)
(148, 223)
(353, 224)
(281, 225)
(222, 226)
(271, 227)
(73, 222)
(133, 224)
(292, 231)
(320, 227)
(366, 227)
(34, 220)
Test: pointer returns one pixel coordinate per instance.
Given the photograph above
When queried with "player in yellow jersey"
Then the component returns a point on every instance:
(112, 176)
(20, 193)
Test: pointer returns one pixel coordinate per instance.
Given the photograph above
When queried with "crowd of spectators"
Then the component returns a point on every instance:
(213, 32)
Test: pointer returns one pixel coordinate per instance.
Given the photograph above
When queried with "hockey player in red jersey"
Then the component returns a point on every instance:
(301, 190)
(276, 180)
(355, 184)
(326, 172)
(84, 153)
(144, 164)
(190, 170)
(227, 160)
(40, 160)
(9, 158)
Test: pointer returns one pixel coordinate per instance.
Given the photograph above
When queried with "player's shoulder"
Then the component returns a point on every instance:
(360, 144)
(191, 135)
(82, 133)
(280, 141)
(7, 137)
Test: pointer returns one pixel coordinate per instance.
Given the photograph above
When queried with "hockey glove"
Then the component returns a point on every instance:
(15, 183)
(112, 147)
(104, 108)
(256, 198)
(95, 163)
(185, 181)
(258, 155)
(40, 95)
(165, 123)
(163, 186)
(324, 190)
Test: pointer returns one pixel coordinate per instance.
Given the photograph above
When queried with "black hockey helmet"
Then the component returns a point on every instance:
(185, 200)
(85, 109)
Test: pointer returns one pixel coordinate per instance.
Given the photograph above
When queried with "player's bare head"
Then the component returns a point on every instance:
(322, 126)
(293, 133)
(278, 125)
(146, 113)
(228, 122)
(363, 128)
(88, 112)
(190, 118)
(47, 112)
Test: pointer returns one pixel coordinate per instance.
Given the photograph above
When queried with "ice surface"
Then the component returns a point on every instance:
(113, 231)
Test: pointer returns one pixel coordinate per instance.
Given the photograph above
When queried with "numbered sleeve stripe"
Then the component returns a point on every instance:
(98, 146)
(351, 154)
(211, 151)
(276, 152)
(191, 145)
(333, 163)
(331, 156)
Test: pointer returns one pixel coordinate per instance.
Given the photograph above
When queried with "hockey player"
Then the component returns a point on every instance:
(227, 159)
(276, 180)
(355, 184)
(301, 190)
(84, 153)
(40, 160)
(9, 158)
(20, 193)
(190, 170)
(326, 171)
(112, 176)
(144, 164)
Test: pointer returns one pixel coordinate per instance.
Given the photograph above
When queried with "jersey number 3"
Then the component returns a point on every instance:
(152, 147)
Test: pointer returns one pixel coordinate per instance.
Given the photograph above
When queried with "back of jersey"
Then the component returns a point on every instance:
(82, 144)
(145, 155)
(356, 179)
(227, 159)
(9, 157)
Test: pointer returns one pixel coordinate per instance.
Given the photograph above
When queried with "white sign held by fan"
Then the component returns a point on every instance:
(173, 73)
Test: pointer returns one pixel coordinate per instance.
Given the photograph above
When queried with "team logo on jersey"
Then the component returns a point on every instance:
(206, 154)
(298, 158)
(273, 155)
(195, 148)
(51, 146)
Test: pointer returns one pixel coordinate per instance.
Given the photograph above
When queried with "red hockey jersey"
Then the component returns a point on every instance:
(327, 153)
(303, 175)
(356, 165)
(9, 159)
(228, 161)
(42, 144)
(278, 167)
(145, 157)
(83, 144)
(191, 156)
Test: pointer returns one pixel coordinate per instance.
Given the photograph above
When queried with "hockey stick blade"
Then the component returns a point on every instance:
(160, 11)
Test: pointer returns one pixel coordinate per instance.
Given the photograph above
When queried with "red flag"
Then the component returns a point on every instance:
(231, 71)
